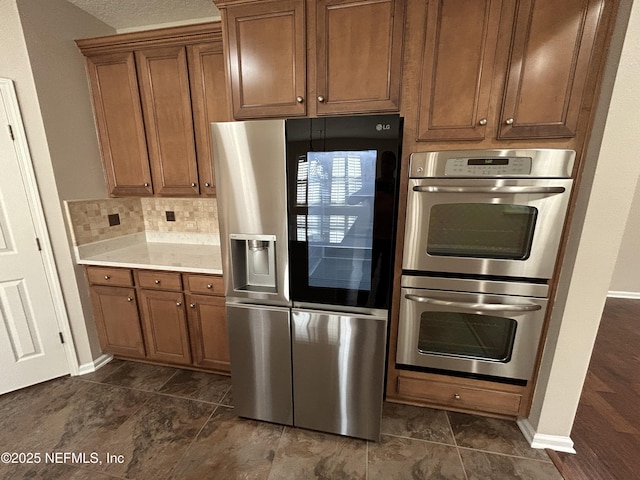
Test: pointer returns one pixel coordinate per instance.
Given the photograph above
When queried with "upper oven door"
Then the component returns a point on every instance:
(500, 227)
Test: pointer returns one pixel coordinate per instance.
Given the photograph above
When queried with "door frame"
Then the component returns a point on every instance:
(7, 88)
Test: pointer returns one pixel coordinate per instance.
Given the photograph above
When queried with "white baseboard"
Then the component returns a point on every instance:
(619, 294)
(99, 362)
(541, 440)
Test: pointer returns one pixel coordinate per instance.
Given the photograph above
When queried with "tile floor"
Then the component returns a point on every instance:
(168, 423)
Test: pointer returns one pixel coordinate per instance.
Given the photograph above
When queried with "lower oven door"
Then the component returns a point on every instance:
(496, 335)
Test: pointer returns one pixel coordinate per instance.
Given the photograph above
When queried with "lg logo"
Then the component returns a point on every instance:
(380, 127)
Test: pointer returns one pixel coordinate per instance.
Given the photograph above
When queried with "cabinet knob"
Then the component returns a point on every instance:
(483, 121)
(192, 305)
(193, 184)
(320, 98)
(129, 299)
(146, 184)
(299, 99)
(107, 277)
(178, 304)
(207, 184)
(209, 286)
(509, 121)
(157, 282)
(456, 396)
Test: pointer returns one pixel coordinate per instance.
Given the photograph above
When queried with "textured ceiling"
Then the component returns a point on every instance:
(132, 14)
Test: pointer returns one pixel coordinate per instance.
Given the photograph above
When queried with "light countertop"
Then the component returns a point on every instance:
(140, 251)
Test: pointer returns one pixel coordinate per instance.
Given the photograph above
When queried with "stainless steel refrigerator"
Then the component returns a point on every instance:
(307, 213)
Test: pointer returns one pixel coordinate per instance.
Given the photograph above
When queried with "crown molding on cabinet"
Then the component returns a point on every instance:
(171, 36)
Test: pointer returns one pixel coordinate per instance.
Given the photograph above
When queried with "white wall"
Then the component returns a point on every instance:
(50, 28)
(53, 99)
(609, 180)
(626, 276)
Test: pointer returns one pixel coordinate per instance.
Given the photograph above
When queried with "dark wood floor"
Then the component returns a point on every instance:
(606, 431)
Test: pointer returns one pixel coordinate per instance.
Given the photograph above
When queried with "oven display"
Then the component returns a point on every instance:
(488, 161)
(488, 167)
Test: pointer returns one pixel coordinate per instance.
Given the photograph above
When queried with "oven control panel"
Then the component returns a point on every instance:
(488, 167)
(496, 163)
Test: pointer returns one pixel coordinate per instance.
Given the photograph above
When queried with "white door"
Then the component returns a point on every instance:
(30, 345)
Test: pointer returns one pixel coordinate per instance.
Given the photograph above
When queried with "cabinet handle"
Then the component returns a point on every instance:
(299, 99)
(192, 305)
(456, 396)
(320, 98)
(483, 121)
(129, 299)
(509, 121)
(178, 304)
(146, 184)
(207, 184)
(107, 277)
(193, 184)
(209, 286)
(157, 282)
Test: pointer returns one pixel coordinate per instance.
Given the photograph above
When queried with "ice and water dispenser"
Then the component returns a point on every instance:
(254, 262)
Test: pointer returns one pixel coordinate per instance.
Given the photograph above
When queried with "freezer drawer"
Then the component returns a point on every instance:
(260, 347)
(338, 372)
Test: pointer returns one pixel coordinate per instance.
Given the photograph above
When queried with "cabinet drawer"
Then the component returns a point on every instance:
(205, 284)
(159, 280)
(119, 277)
(453, 395)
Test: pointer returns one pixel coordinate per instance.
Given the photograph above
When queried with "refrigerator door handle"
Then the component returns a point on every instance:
(341, 310)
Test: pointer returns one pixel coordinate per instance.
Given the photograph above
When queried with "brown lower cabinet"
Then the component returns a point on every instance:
(165, 326)
(208, 327)
(149, 315)
(459, 394)
(116, 312)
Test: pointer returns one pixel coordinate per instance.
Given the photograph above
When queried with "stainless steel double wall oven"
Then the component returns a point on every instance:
(482, 234)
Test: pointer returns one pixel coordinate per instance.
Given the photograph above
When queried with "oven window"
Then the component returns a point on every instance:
(483, 337)
(481, 230)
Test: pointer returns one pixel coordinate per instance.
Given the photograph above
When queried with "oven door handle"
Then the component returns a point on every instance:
(489, 307)
(497, 189)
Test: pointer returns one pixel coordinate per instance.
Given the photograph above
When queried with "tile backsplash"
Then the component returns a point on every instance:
(90, 218)
(193, 215)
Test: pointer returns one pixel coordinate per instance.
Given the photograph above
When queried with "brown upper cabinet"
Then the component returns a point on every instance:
(457, 69)
(552, 46)
(154, 94)
(550, 49)
(166, 103)
(342, 56)
(116, 106)
(210, 103)
(267, 58)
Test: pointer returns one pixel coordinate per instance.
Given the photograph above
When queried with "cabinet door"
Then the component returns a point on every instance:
(457, 69)
(208, 329)
(165, 326)
(166, 103)
(359, 55)
(552, 46)
(116, 104)
(116, 314)
(210, 104)
(267, 58)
